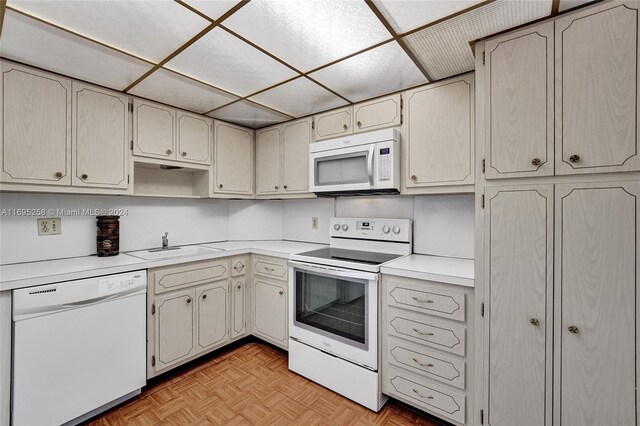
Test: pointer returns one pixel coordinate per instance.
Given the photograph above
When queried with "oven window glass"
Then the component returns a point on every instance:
(332, 306)
(337, 170)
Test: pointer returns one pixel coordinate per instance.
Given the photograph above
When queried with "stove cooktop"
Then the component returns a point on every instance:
(354, 256)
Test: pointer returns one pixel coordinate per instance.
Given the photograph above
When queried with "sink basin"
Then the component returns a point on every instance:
(172, 252)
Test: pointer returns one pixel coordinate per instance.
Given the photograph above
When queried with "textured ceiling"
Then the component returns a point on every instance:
(258, 62)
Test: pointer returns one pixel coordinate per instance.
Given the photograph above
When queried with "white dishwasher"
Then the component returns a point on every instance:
(79, 347)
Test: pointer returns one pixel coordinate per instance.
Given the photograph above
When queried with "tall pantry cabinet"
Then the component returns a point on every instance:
(558, 220)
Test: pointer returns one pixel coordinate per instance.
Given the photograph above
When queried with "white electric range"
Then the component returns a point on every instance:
(334, 305)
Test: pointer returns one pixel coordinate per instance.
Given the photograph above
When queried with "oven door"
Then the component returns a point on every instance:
(336, 311)
(344, 169)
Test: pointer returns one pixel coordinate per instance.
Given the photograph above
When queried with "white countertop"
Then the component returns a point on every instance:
(28, 274)
(448, 270)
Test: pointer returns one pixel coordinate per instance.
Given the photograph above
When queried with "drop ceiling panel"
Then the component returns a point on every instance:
(407, 15)
(308, 34)
(378, 71)
(31, 42)
(148, 29)
(299, 97)
(173, 89)
(213, 9)
(248, 114)
(227, 62)
(444, 49)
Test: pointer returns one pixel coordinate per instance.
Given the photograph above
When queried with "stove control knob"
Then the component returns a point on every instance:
(336, 227)
(396, 229)
(385, 229)
(345, 227)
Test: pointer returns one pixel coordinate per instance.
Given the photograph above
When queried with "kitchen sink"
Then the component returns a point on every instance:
(172, 252)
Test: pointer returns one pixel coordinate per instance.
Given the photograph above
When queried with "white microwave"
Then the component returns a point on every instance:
(366, 163)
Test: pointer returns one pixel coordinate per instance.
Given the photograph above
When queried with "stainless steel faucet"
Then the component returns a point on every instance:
(165, 241)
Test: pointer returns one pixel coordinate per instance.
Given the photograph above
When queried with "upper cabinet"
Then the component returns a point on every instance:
(597, 66)
(438, 137)
(585, 120)
(233, 160)
(100, 135)
(333, 124)
(377, 114)
(36, 136)
(519, 103)
(166, 133)
(282, 160)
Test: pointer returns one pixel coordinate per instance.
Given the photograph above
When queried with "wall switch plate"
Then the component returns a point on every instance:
(314, 222)
(49, 226)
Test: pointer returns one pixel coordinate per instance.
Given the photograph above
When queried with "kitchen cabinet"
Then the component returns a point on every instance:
(154, 130)
(519, 103)
(195, 136)
(597, 66)
(378, 113)
(212, 315)
(438, 138)
(233, 172)
(270, 311)
(36, 138)
(282, 160)
(175, 328)
(239, 303)
(333, 124)
(518, 307)
(100, 137)
(596, 270)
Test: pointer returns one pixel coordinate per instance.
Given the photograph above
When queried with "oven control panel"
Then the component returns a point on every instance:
(372, 229)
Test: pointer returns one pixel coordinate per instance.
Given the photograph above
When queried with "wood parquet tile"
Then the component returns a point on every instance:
(248, 385)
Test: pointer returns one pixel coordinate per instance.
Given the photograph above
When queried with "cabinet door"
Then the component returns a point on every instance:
(296, 138)
(36, 134)
(194, 138)
(100, 137)
(154, 130)
(174, 328)
(378, 114)
(213, 315)
(238, 304)
(439, 136)
(519, 103)
(596, 302)
(233, 159)
(270, 311)
(519, 273)
(268, 161)
(597, 67)
(333, 124)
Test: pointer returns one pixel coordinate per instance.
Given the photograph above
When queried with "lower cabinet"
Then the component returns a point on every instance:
(270, 311)
(212, 315)
(174, 329)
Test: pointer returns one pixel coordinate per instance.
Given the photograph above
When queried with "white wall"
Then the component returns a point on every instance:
(255, 220)
(297, 219)
(188, 221)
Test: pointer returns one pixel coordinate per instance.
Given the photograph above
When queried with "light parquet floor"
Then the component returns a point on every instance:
(248, 385)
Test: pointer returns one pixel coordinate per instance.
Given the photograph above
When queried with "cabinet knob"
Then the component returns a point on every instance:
(220, 186)
(281, 292)
(573, 329)
(58, 175)
(184, 153)
(189, 300)
(534, 321)
(414, 178)
(83, 176)
(574, 158)
(169, 152)
(344, 126)
(536, 162)
(204, 296)
(276, 187)
(285, 187)
(239, 286)
(359, 123)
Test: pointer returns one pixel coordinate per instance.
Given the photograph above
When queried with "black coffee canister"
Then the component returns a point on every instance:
(108, 235)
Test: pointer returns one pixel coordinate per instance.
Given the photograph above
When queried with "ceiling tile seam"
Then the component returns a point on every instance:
(82, 36)
(270, 108)
(188, 43)
(351, 55)
(255, 103)
(3, 7)
(555, 6)
(204, 83)
(194, 10)
(398, 40)
(330, 90)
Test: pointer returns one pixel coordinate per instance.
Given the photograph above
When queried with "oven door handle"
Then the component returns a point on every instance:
(338, 272)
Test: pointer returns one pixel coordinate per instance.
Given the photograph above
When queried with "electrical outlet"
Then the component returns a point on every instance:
(49, 226)
(314, 222)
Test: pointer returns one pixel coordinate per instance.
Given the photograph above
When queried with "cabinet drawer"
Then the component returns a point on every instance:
(431, 364)
(174, 277)
(271, 267)
(425, 395)
(423, 329)
(429, 300)
(238, 266)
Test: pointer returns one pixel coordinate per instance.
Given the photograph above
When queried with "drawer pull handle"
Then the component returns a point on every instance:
(421, 395)
(422, 364)
(422, 332)
(417, 299)
(269, 269)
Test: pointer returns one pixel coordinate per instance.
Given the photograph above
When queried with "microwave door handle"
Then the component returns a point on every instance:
(370, 165)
